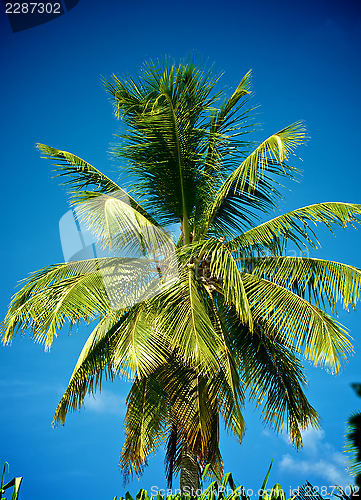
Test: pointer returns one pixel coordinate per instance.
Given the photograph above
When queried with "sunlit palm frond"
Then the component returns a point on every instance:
(242, 90)
(320, 338)
(295, 226)
(139, 348)
(94, 363)
(183, 317)
(81, 175)
(72, 292)
(117, 226)
(267, 160)
(318, 279)
(224, 271)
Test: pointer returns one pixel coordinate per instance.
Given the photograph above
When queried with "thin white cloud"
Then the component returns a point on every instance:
(321, 459)
(105, 402)
(14, 389)
(329, 470)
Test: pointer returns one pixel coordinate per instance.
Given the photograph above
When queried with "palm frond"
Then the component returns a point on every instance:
(320, 338)
(224, 272)
(172, 450)
(161, 114)
(229, 105)
(295, 226)
(140, 347)
(353, 444)
(71, 292)
(189, 402)
(275, 379)
(81, 175)
(267, 160)
(320, 280)
(116, 225)
(183, 318)
(201, 326)
(145, 424)
(226, 385)
(94, 363)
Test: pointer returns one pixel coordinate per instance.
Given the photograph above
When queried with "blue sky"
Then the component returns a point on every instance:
(305, 58)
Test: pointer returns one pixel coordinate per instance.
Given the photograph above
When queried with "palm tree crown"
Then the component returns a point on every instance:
(241, 313)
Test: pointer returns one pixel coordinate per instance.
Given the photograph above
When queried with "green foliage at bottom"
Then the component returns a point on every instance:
(14, 483)
(225, 489)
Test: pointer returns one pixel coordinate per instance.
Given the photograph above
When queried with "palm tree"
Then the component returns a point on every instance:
(241, 315)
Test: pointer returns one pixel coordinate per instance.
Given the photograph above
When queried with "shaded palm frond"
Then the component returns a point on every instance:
(146, 424)
(163, 135)
(226, 385)
(194, 412)
(189, 401)
(275, 379)
(353, 443)
(241, 210)
(172, 450)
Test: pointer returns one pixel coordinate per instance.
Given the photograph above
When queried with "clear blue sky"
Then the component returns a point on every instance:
(305, 58)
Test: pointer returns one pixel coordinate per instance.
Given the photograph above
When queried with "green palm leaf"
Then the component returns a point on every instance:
(116, 225)
(94, 362)
(184, 319)
(82, 174)
(268, 158)
(322, 339)
(295, 226)
(319, 279)
(145, 424)
(139, 348)
(275, 378)
(224, 270)
(72, 292)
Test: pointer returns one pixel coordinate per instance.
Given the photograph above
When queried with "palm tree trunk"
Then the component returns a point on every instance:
(189, 471)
